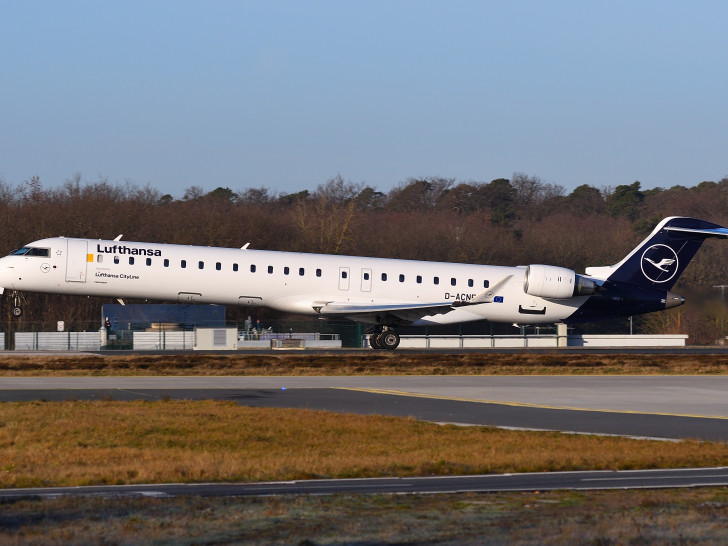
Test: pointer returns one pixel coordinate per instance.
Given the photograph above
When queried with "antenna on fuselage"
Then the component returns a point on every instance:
(245, 246)
(118, 237)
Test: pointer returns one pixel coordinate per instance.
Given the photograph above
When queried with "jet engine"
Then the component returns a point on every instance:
(549, 281)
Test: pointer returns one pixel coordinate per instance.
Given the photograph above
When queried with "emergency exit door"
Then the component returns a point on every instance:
(76, 260)
(343, 278)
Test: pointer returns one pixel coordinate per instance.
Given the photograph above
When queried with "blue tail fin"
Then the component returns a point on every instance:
(660, 259)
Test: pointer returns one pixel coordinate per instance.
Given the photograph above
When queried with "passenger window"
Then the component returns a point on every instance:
(235, 267)
(366, 276)
(252, 268)
(318, 272)
(131, 260)
(183, 264)
(343, 274)
(166, 262)
(401, 277)
(453, 282)
(201, 265)
(270, 269)
(116, 259)
(470, 283)
(384, 276)
(300, 271)
(436, 280)
(149, 261)
(218, 266)
(286, 270)
(486, 284)
(419, 279)
(100, 258)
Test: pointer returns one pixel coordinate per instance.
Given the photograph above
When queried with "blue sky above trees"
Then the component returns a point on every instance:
(288, 94)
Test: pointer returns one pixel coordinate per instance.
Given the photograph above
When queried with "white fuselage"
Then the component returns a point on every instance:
(286, 281)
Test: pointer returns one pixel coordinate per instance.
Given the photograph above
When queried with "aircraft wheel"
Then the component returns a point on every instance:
(17, 311)
(374, 341)
(389, 340)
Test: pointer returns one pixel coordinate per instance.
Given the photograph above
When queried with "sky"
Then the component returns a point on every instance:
(287, 95)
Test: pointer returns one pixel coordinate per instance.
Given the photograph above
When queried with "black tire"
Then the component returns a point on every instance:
(374, 341)
(389, 340)
(16, 311)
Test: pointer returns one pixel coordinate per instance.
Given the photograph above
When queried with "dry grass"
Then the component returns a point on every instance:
(595, 517)
(79, 443)
(366, 363)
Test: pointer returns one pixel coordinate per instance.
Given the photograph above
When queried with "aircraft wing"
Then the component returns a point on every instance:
(404, 311)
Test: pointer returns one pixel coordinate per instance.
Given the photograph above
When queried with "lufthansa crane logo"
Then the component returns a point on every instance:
(659, 263)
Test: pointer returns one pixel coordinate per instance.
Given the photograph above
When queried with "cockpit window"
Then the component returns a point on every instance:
(31, 251)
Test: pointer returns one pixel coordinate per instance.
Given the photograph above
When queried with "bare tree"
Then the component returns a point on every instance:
(419, 194)
(326, 218)
(257, 196)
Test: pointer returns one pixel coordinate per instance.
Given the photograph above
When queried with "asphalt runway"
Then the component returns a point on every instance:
(491, 483)
(665, 407)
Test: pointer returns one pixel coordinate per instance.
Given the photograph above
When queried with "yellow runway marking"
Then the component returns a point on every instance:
(523, 404)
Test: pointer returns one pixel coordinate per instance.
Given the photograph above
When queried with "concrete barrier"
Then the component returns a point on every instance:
(516, 341)
(321, 343)
(254, 344)
(667, 340)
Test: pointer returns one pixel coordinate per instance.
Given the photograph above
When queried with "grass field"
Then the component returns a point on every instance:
(593, 517)
(104, 442)
(366, 363)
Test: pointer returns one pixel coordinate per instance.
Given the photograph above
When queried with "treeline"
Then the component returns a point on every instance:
(514, 221)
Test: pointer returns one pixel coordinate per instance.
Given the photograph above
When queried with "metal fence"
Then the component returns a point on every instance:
(56, 341)
(24, 336)
(93, 336)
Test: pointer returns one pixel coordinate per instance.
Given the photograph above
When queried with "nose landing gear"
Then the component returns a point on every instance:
(17, 301)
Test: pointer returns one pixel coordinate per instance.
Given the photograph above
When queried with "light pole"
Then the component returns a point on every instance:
(722, 299)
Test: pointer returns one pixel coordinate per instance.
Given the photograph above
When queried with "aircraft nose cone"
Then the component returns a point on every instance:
(673, 300)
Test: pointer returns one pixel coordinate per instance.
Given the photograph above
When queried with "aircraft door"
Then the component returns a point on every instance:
(366, 280)
(343, 278)
(76, 260)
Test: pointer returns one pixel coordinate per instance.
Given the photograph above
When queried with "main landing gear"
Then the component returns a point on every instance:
(384, 338)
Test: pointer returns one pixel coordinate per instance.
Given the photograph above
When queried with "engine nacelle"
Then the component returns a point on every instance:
(559, 283)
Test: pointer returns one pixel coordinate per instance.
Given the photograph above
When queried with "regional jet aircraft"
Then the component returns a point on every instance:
(382, 293)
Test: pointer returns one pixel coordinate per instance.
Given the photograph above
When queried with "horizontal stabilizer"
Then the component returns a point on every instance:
(710, 232)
